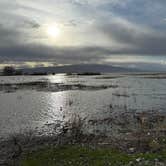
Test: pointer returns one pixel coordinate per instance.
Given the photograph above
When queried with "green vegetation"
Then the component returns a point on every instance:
(85, 156)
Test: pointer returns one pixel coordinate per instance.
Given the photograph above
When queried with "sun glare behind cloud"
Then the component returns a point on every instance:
(53, 31)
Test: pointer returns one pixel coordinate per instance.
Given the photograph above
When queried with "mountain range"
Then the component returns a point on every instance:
(79, 68)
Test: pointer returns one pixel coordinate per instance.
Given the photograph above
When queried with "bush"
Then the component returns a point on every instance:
(9, 70)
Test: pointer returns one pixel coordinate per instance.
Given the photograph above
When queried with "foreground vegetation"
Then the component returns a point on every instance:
(81, 156)
(72, 146)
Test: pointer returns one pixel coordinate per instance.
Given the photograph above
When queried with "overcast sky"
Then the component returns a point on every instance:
(120, 32)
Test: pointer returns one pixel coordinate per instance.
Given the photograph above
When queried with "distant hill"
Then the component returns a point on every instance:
(80, 68)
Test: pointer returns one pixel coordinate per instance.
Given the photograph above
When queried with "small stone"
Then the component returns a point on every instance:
(131, 163)
(147, 162)
(132, 149)
(156, 160)
(138, 159)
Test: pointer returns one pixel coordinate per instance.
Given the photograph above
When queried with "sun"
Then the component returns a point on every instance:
(53, 31)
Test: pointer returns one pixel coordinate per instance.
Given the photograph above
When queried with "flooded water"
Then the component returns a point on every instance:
(102, 100)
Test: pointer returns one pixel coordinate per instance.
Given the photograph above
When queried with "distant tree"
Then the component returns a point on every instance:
(9, 70)
(18, 72)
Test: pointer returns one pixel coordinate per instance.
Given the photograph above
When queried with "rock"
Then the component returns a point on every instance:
(147, 162)
(148, 133)
(138, 159)
(132, 149)
(131, 163)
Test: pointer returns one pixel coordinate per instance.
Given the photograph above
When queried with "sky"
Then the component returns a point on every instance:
(128, 33)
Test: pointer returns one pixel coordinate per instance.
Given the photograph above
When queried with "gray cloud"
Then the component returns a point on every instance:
(15, 35)
(63, 55)
(143, 40)
(30, 24)
(8, 36)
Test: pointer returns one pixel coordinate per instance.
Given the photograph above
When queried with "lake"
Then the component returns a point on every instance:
(108, 103)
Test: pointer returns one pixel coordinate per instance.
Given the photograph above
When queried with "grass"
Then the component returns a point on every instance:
(84, 156)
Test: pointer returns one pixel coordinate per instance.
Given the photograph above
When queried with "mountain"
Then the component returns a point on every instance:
(80, 68)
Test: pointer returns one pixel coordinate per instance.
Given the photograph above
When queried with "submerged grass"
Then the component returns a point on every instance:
(86, 156)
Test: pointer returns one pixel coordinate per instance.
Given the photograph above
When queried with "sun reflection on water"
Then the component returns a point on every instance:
(58, 78)
(55, 110)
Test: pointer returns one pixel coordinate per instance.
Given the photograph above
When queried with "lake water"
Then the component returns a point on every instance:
(26, 106)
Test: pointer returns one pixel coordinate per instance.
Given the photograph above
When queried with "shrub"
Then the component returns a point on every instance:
(8, 70)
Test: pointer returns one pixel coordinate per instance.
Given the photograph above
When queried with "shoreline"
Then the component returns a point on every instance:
(143, 141)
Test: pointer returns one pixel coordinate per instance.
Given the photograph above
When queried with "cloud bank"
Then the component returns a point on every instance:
(92, 31)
